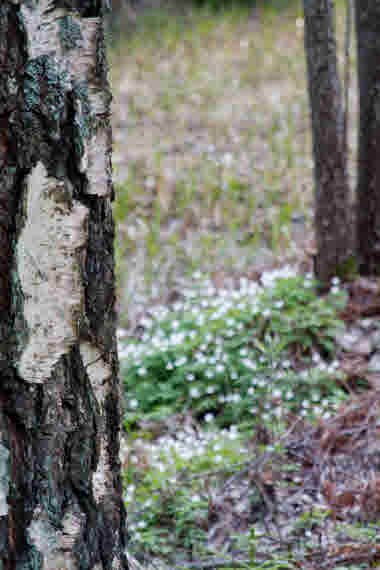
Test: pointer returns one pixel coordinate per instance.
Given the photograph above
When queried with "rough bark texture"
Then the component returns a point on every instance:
(367, 15)
(334, 231)
(60, 486)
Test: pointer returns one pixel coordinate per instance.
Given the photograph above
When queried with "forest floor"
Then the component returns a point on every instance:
(213, 171)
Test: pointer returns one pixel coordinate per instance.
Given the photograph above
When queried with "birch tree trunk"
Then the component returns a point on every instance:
(367, 16)
(334, 232)
(60, 485)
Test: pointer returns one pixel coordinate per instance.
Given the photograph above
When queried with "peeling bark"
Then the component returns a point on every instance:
(60, 486)
(367, 15)
(333, 223)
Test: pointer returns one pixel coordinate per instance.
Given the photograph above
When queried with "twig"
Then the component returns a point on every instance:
(261, 460)
(214, 563)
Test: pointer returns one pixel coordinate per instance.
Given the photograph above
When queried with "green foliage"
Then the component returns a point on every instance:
(234, 355)
(168, 504)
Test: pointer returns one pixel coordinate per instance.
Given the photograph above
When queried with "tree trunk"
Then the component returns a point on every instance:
(334, 235)
(60, 486)
(367, 16)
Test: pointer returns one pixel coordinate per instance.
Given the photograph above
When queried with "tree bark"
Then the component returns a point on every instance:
(367, 16)
(60, 486)
(333, 225)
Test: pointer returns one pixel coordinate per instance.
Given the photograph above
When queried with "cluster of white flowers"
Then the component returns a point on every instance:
(202, 304)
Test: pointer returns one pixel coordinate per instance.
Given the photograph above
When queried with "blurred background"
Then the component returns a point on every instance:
(212, 143)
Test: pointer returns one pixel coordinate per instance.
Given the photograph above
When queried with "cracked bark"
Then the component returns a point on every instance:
(333, 223)
(60, 485)
(367, 16)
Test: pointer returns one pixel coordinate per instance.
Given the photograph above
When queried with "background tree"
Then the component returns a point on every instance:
(333, 225)
(60, 485)
(367, 16)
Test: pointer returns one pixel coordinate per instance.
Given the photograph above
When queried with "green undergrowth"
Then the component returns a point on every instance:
(202, 378)
(245, 354)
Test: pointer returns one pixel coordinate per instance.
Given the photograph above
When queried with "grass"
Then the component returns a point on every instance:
(212, 145)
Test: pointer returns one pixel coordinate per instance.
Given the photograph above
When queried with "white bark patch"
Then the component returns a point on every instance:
(54, 545)
(72, 525)
(102, 483)
(97, 171)
(42, 27)
(98, 371)
(48, 262)
(4, 480)
(41, 533)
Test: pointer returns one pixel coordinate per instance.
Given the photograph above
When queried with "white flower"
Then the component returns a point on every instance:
(279, 304)
(249, 364)
(306, 404)
(243, 352)
(175, 324)
(278, 412)
(169, 366)
(251, 391)
(335, 290)
(209, 373)
(141, 524)
(150, 182)
(133, 403)
(210, 389)
(218, 458)
(220, 368)
(142, 371)
(277, 393)
(190, 377)
(195, 498)
(266, 313)
(289, 395)
(209, 417)
(194, 392)
(335, 281)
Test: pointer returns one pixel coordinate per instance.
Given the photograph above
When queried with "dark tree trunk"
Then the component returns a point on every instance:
(334, 233)
(367, 16)
(60, 486)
